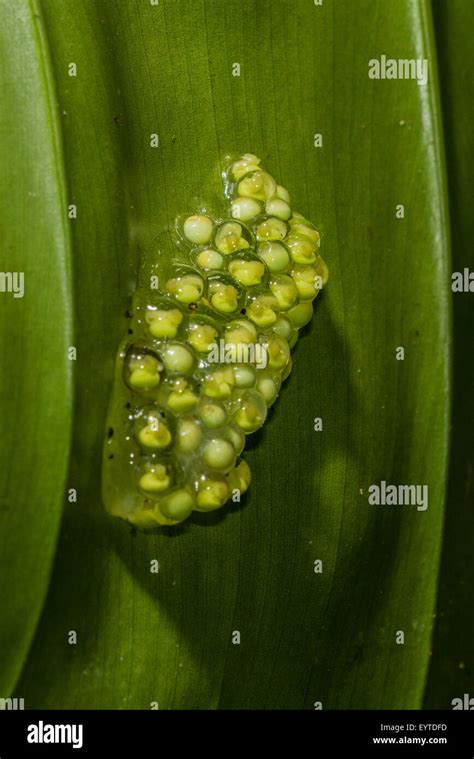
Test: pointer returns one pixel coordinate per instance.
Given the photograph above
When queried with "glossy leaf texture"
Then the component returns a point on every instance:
(35, 331)
(306, 637)
(451, 673)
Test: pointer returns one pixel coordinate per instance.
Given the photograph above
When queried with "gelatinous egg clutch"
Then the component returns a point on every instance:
(209, 344)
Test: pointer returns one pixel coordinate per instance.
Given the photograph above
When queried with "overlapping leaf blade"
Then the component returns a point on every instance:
(35, 332)
(451, 673)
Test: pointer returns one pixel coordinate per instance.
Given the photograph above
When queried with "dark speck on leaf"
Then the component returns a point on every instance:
(111, 432)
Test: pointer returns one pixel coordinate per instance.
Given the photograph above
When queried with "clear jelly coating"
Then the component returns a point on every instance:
(207, 351)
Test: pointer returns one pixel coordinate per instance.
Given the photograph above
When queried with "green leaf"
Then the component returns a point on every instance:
(35, 332)
(306, 637)
(451, 671)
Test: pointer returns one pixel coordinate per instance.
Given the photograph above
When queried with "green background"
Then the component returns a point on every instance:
(85, 140)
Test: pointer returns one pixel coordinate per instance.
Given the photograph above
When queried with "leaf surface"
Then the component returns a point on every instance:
(305, 636)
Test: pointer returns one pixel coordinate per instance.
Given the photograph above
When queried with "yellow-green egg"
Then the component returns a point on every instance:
(144, 371)
(258, 185)
(219, 454)
(181, 397)
(198, 229)
(155, 434)
(186, 289)
(301, 314)
(268, 387)
(285, 291)
(239, 478)
(248, 162)
(302, 249)
(245, 209)
(275, 255)
(251, 413)
(155, 480)
(177, 358)
(278, 352)
(212, 494)
(201, 336)
(209, 260)
(212, 415)
(271, 229)
(283, 194)
(223, 297)
(219, 383)
(263, 310)
(163, 323)
(230, 237)
(245, 376)
(177, 505)
(188, 436)
(279, 208)
(248, 273)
